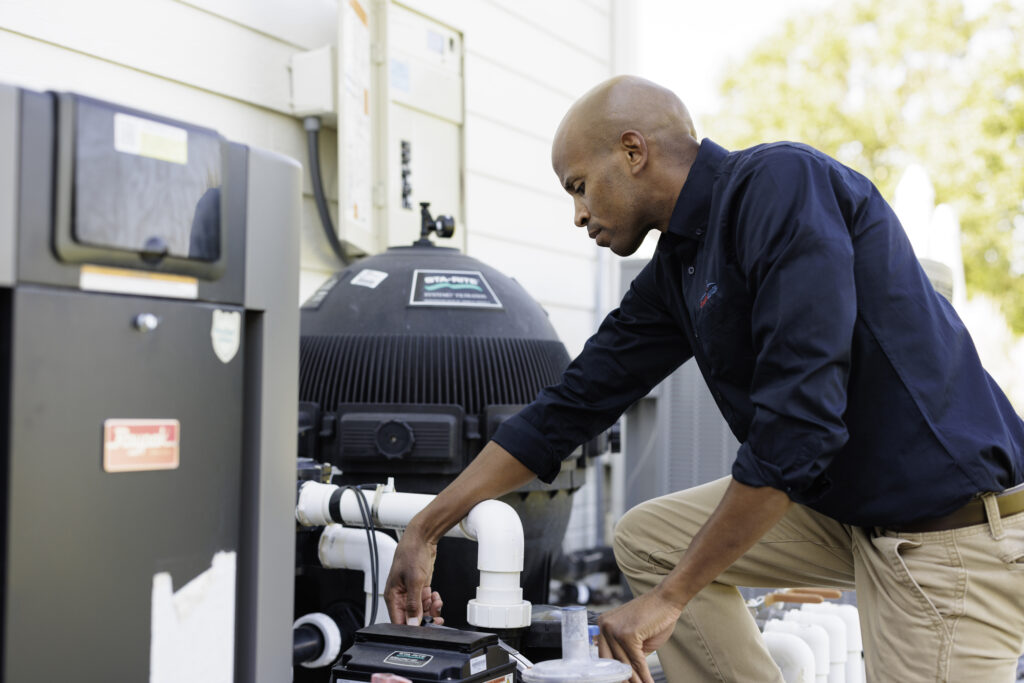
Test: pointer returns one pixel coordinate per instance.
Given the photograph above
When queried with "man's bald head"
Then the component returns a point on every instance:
(623, 152)
(597, 120)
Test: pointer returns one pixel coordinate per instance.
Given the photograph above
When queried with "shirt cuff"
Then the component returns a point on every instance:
(528, 446)
(753, 471)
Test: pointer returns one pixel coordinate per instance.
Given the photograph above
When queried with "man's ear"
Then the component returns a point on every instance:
(634, 146)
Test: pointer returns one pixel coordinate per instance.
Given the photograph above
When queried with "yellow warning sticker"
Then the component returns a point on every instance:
(141, 282)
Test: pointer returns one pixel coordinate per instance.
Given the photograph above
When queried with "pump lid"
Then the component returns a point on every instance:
(437, 637)
(579, 671)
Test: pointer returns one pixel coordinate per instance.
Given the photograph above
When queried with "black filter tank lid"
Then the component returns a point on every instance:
(425, 290)
(426, 325)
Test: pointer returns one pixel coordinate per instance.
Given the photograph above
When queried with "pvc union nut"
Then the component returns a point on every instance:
(499, 616)
(313, 508)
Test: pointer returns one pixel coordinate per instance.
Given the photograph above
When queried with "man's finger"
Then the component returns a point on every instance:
(634, 656)
(395, 601)
(413, 609)
(616, 651)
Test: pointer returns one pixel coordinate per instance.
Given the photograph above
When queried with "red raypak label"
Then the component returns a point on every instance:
(134, 445)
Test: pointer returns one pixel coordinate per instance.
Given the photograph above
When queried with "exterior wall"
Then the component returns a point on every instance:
(224, 64)
(526, 61)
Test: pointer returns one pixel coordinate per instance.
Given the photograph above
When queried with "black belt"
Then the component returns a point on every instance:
(1010, 502)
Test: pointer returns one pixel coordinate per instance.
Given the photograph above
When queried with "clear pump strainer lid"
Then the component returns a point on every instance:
(576, 666)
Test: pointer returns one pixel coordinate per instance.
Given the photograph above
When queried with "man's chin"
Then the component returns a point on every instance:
(624, 250)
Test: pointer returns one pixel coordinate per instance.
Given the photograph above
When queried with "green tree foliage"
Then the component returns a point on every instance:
(882, 84)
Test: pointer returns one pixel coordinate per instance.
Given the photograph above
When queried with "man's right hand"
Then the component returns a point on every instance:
(407, 593)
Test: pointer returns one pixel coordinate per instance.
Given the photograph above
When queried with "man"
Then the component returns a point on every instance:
(876, 452)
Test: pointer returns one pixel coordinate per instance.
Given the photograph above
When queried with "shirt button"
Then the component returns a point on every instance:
(698, 232)
(689, 271)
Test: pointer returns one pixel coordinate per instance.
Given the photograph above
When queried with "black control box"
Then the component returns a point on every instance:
(425, 653)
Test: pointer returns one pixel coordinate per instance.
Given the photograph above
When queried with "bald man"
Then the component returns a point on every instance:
(876, 453)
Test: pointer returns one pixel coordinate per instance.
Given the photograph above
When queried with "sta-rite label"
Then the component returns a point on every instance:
(411, 659)
(452, 288)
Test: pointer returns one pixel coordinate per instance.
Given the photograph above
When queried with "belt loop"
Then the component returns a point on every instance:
(995, 522)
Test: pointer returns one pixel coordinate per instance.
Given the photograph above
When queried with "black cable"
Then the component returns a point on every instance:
(312, 126)
(371, 537)
(374, 557)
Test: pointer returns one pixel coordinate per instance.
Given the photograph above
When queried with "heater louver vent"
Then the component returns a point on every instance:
(472, 372)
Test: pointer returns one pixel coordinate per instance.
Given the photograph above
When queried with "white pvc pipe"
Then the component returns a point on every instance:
(390, 509)
(854, 645)
(812, 634)
(494, 525)
(836, 629)
(498, 532)
(343, 547)
(792, 655)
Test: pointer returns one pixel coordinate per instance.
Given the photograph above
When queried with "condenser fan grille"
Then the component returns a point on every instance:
(472, 372)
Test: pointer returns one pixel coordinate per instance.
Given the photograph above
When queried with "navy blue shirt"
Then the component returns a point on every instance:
(849, 382)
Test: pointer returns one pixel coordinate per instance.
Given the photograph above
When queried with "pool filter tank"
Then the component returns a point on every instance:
(148, 346)
(409, 362)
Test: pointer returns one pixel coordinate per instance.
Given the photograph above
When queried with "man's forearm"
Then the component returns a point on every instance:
(744, 515)
(492, 473)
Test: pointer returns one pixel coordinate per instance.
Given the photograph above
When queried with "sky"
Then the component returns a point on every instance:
(687, 45)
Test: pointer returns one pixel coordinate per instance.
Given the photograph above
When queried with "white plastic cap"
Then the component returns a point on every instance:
(833, 625)
(589, 671)
(849, 614)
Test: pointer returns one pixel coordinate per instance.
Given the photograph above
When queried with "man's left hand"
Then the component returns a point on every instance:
(631, 632)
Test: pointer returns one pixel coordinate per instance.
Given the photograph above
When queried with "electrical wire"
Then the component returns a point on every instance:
(371, 539)
(312, 126)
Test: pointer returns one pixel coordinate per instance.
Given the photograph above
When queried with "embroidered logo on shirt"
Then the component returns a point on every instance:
(709, 291)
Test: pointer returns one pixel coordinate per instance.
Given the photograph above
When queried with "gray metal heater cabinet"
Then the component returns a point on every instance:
(148, 391)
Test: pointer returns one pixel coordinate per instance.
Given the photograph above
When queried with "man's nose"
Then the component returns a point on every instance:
(582, 215)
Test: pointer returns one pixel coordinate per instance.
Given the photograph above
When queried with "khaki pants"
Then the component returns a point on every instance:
(937, 606)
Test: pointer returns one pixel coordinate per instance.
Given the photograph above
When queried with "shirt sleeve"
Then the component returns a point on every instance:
(636, 346)
(797, 254)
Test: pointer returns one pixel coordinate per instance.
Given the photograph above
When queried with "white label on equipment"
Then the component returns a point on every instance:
(477, 664)
(413, 659)
(226, 333)
(147, 138)
(369, 278)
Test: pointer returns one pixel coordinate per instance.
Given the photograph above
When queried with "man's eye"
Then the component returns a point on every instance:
(580, 188)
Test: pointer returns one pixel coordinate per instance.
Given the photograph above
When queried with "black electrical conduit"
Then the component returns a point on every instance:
(308, 644)
(312, 126)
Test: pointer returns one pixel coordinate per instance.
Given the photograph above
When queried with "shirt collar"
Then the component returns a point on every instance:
(690, 215)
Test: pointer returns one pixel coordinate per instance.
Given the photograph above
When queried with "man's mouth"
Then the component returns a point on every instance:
(594, 232)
